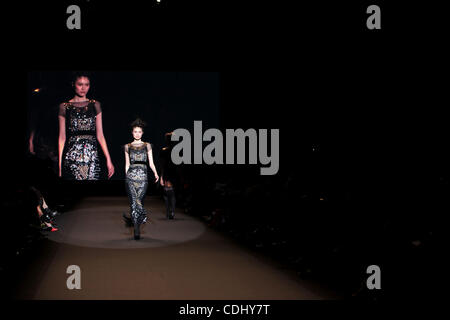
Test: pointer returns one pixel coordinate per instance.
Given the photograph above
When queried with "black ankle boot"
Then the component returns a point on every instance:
(137, 232)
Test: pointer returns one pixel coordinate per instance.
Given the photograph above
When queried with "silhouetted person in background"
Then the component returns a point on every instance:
(41, 156)
(168, 176)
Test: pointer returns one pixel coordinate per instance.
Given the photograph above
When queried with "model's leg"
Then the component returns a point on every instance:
(166, 200)
(127, 218)
(140, 202)
(173, 202)
(133, 189)
(172, 212)
(134, 192)
(170, 202)
(140, 215)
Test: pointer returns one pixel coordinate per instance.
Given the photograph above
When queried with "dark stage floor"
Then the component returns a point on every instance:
(176, 259)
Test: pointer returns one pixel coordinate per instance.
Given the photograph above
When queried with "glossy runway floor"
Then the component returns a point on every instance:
(176, 259)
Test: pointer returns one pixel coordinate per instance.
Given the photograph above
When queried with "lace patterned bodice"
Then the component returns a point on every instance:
(80, 116)
(139, 153)
(138, 156)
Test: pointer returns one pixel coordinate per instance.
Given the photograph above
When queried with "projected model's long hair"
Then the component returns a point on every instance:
(137, 155)
(80, 128)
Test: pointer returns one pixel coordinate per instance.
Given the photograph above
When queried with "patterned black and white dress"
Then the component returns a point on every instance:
(136, 180)
(80, 156)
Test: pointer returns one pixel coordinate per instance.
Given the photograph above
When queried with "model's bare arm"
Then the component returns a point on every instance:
(102, 141)
(127, 162)
(61, 140)
(30, 143)
(152, 165)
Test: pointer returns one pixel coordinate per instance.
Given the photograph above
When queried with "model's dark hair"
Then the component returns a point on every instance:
(138, 123)
(79, 74)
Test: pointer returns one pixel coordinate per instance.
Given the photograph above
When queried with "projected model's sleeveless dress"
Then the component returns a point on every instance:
(136, 180)
(80, 155)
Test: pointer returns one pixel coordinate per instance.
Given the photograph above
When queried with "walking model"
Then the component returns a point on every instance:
(137, 155)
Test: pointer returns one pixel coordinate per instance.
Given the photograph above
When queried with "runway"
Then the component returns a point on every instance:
(179, 259)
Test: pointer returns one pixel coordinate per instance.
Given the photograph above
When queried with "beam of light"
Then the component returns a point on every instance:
(37, 90)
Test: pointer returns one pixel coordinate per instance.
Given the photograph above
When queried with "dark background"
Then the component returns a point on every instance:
(361, 112)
